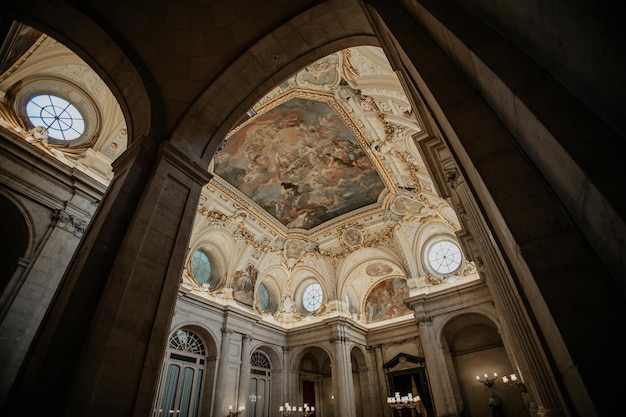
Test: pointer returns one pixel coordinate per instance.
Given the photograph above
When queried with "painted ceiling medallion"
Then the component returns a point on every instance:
(352, 237)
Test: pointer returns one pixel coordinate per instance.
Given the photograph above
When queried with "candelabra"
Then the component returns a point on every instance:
(307, 411)
(514, 380)
(233, 413)
(290, 410)
(408, 401)
(486, 381)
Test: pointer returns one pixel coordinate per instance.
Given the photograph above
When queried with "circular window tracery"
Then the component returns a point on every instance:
(60, 117)
(445, 257)
(312, 297)
(68, 113)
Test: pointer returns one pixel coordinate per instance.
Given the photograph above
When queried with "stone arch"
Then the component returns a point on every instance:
(320, 353)
(272, 353)
(473, 342)
(505, 204)
(354, 269)
(205, 333)
(312, 365)
(359, 358)
(263, 66)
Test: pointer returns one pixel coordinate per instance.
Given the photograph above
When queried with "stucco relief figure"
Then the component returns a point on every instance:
(404, 205)
(294, 248)
(38, 136)
(243, 285)
(324, 73)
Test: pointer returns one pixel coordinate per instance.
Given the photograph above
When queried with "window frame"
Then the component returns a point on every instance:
(437, 270)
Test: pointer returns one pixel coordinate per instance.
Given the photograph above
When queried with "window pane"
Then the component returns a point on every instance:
(185, 393)
(312, 298)
(263, 297)
(445, 257)
(169, 392)
(60, 117)
(196, 397)
(201, 267)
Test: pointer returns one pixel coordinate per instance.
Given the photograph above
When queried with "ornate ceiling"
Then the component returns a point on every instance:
(331, 146)
(320, 183)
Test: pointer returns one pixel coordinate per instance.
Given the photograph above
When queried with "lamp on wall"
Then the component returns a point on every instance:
(486, 381)
(514, 380)
(233, 413)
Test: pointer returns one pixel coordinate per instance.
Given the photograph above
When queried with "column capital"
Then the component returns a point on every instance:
(64, 220)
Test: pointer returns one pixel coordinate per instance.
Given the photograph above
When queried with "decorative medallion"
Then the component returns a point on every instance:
(352, 237)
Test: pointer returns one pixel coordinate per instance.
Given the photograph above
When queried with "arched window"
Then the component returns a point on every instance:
(260, 385)
(181, 378)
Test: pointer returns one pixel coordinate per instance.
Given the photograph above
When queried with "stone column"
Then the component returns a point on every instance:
(432, 357)
(342, 373)
(244, 371)
(101, 344)
(286, 391)
(222, 399)
(526, 179)
(519, 336)
(382, 381)
(526, 349)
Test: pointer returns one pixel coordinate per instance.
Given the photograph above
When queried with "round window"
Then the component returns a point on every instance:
(312, 297)
(60, 117)
(263, 297)
(201, 267)
(445, 257)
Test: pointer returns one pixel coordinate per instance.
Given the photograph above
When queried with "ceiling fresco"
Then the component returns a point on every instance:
(300, 162)
(328, 157)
